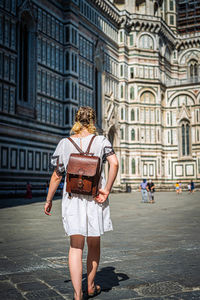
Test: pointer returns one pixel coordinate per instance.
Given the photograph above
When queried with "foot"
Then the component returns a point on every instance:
(94, 292)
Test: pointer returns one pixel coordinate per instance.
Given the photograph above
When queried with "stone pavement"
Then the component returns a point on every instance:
(153, 252)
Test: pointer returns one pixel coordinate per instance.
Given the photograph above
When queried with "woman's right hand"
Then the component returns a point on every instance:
(47, 208)
(102, 196)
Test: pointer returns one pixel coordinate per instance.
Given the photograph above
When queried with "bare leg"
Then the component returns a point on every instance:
(75, 263)
(93, 258)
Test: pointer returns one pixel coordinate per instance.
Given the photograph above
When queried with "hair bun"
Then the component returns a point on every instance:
(85, 117)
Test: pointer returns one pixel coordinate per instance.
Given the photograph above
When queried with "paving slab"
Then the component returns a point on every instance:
(153, 252)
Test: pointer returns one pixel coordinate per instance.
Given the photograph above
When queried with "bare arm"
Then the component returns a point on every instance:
(114, 165)
(54, 183)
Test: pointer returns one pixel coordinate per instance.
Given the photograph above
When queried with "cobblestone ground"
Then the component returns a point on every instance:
(153, 252)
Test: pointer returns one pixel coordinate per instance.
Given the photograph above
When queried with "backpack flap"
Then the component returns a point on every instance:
(83, 165)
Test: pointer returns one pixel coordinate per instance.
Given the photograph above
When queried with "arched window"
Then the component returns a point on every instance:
(122, 165)
(122, 114)
(67, 60)
(132, 135)
(131, 92)
(171, 5)
(140, 6)
(23, 66)
(185, 138)
(67, 89)
(146, 42)
(133, 166)
(156, 9)
(73, 115)
(122, 91)
(132, 115)
(122, 133)
(147, 97)
(193, 68)
(179, 100)
(72, 90)
(67, 116)
(27, 63)
(158, 135)
(121, 70)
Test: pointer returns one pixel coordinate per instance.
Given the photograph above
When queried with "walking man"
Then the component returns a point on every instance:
(143, 189)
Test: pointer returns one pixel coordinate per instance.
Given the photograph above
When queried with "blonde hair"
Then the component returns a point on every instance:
(85, 117)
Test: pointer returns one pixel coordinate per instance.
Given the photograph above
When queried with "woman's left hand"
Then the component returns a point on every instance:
(47, 208)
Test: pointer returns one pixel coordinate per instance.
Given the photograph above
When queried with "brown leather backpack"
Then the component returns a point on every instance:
(83, 171)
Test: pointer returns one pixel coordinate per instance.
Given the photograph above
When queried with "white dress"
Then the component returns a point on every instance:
(80, 213)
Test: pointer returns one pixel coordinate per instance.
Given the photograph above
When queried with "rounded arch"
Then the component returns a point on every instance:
(180, 98)
(149, 90)
(148, 97)
(146, 41)
(188, 54)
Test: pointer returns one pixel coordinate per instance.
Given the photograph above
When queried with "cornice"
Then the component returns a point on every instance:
(107, 8)
(189, 42)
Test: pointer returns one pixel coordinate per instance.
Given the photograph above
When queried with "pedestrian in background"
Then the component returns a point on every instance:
(189, 187)
(177, 188)
(143, 188)
(28, 191)
(151, 190)
(84, 216)
(192, 186)
(180, 187)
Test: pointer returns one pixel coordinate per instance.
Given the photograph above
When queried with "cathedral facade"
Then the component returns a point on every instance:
(124, 58)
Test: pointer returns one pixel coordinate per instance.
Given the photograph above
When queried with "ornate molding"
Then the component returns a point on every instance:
(192, 42)
(106, 7)
(27, 7)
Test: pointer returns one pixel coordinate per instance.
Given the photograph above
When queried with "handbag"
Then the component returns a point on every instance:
(83, 171)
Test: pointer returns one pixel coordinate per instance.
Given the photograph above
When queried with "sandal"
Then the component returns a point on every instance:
(97, 291)
(82, 298)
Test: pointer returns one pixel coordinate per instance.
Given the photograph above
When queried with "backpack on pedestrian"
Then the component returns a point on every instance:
(83, 171)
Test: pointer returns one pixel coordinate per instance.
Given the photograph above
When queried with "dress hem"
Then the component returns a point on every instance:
(86, 235)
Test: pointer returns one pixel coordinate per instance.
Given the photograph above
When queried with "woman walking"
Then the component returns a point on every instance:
(84, 216)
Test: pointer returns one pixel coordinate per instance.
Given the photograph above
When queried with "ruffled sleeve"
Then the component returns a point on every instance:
(107, 149)
(57, 159)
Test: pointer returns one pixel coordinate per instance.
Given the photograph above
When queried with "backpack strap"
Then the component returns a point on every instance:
(75, 145)
(90, 144)
(79, 149)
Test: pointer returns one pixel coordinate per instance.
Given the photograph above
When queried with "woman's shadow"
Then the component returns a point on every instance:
(107, 278)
